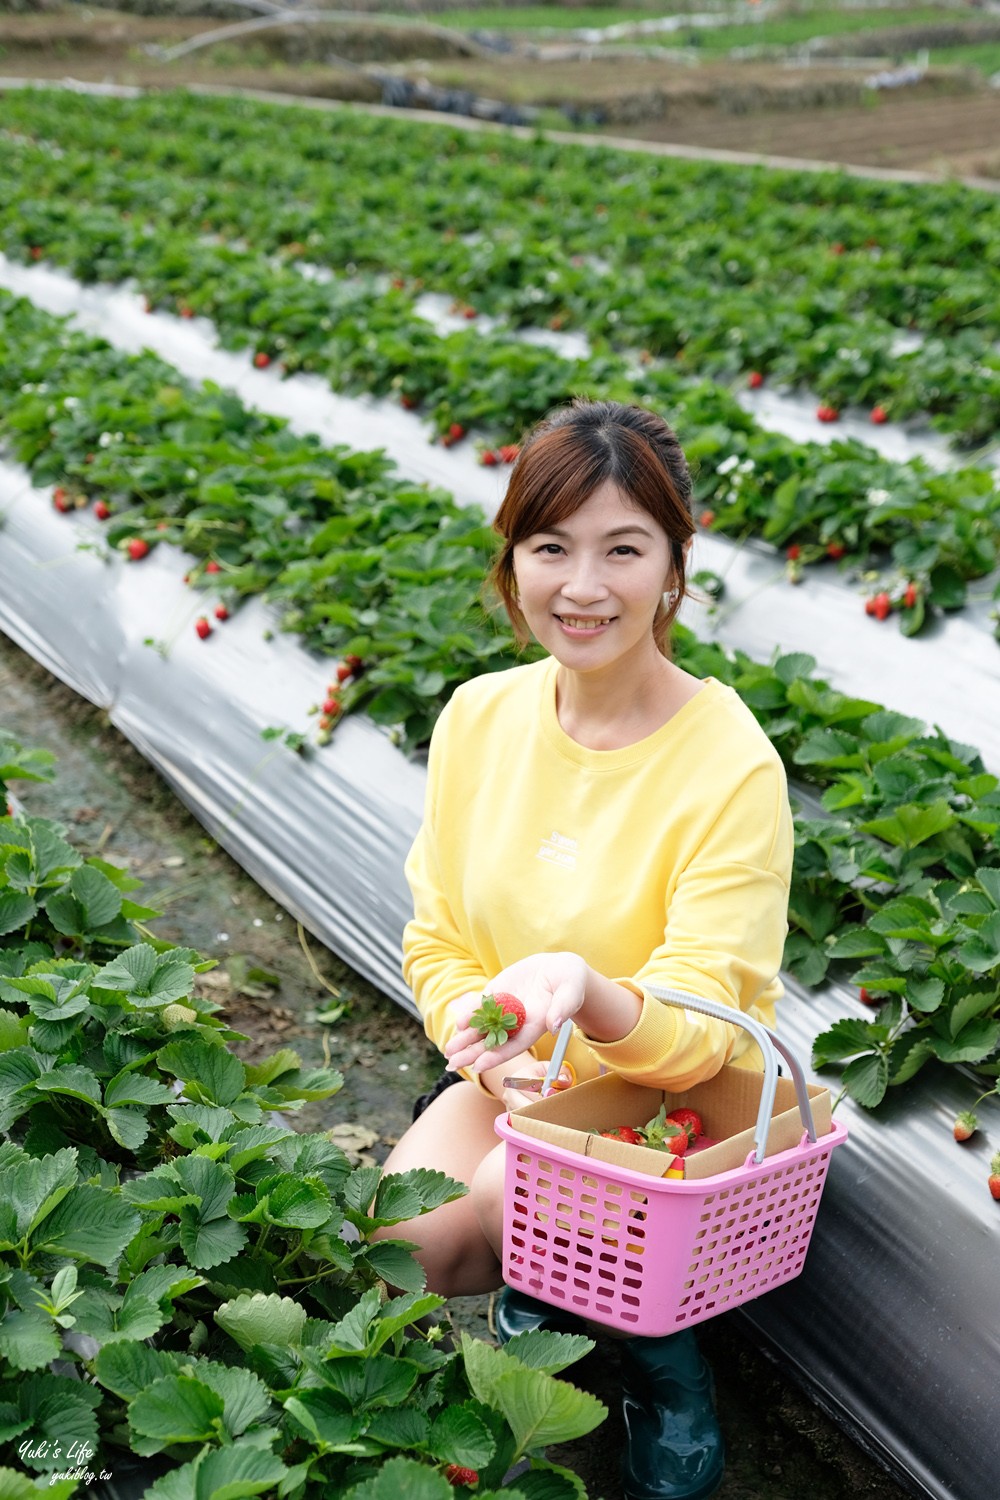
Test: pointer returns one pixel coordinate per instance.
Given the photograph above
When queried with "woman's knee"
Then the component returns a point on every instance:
(486, 1196)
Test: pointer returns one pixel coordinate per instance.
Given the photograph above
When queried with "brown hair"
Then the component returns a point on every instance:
(569, 455)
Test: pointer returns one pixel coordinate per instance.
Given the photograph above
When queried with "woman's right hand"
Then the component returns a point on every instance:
(521, 1066)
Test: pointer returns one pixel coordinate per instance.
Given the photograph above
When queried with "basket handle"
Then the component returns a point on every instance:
(769, 1043)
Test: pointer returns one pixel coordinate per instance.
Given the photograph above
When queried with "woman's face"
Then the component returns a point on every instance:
(589, 587)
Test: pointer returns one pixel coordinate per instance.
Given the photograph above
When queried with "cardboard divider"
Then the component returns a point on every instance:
(728, 1105)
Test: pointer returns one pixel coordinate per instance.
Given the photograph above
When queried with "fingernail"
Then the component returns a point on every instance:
(556, 1025)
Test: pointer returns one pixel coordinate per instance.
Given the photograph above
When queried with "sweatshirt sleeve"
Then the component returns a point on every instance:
(724, 933)
(438, 964)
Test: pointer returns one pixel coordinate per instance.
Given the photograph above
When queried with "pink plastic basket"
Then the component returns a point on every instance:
(652, 1255)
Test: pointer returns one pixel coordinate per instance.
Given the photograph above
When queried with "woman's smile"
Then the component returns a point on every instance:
(584, 624)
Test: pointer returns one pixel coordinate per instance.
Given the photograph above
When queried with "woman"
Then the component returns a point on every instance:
(595, 822)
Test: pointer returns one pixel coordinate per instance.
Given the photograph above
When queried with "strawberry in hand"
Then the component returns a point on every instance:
(498, 1018)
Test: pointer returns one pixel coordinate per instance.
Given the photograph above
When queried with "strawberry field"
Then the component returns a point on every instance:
(274, 571)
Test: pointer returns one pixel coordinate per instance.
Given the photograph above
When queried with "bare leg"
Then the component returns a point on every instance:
(453, 1135)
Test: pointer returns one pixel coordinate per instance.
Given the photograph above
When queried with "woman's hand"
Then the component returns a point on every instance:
(523, 1065)
(550, 986)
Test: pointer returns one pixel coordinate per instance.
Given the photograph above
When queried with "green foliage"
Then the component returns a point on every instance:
(173, 1272)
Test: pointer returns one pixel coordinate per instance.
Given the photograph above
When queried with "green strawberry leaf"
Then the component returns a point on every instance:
(866, 1079)
(177, 1409)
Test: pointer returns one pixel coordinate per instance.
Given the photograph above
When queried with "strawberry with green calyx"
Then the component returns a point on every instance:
(498, 1018)
(662, 1134)
(993, 1181)
(965, 1125)
(689, 1120)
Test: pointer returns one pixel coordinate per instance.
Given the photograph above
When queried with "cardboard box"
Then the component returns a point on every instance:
(728, 1105)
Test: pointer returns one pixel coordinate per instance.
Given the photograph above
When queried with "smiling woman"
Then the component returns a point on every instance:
(596, 823)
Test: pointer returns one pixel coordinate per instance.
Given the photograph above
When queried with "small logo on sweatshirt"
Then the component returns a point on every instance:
(557, 849)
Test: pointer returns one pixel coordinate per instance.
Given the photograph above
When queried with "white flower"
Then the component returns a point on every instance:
(877, 497)
(105, 440)
(728, 464)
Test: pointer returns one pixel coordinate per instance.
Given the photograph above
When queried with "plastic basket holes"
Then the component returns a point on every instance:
(751, 1237)
(577, 1238)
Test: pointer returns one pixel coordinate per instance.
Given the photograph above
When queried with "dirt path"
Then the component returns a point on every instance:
(781, 1447)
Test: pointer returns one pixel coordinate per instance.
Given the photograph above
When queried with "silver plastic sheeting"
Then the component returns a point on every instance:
(327, 837)
(949, 676)
(894, 1324)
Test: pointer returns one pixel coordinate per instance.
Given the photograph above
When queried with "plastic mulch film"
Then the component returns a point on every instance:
(949, 676)
(894, 1324)
(326, 838)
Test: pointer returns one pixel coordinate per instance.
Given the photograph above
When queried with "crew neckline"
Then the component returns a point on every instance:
(611, 760)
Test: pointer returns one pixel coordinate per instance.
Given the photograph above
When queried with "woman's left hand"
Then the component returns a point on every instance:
(550, 986)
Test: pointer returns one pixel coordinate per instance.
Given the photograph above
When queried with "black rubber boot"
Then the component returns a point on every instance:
(515, 1313)
(673, 1448)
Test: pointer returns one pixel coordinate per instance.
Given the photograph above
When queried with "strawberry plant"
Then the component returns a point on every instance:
(184, 1273)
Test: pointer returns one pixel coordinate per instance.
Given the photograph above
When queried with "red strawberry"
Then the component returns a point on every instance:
(689, 1120)
(837, 249)
(663, 1134)
(828, 413)
(456, 432)
(102, 511)
(509, 452)
(498, 1018)
(557, 322)
(911, 595)
(408, 401)
(398, 283)
(755, 380)
(185, 311)
(867, 998)
(36, 252)
(61, 500)
(331, 705)
(212, 566)
(626, 1133)
(343, 672)
(221, 612)
(993, 1181)
(707, 518)
(965, 1125)
(881, 606)
(836, 550)
(326, 722)
(488, 458)
(469, 312)
(262, 360)
(202, 627)
(355, 663)
(457, 1474)
(794, 552)
(879, 415)
(870, 605)
(137, 548)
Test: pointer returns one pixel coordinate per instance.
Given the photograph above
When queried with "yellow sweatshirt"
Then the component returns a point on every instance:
(667, 863)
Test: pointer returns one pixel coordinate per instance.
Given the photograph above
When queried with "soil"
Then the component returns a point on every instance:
(282, 988)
